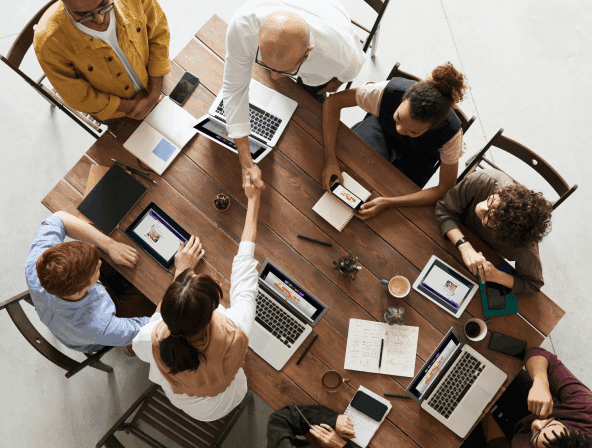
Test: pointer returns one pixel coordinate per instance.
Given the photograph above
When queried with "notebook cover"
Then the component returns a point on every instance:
(511, 302)
(95, 174)
(111, 199)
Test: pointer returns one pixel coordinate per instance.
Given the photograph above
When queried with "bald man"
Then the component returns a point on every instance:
(312, 40)
(105, 57)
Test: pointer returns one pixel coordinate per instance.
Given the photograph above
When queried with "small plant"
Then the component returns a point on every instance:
(221, 202)
(347, 265)
(395, 315)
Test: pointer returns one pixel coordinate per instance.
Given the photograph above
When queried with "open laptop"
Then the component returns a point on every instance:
(286, 314)
(269, 112)
(455, 384)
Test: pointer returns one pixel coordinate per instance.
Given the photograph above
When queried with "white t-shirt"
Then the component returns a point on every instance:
(243, 291)
(110, 38)
(337, 51)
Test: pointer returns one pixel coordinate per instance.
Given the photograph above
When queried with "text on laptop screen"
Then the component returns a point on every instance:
(434, 365)
(159, 235)
(446, 284)
(291, 293)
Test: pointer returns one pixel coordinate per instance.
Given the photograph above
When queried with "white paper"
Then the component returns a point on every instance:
(142, 143)
(364, 426)
(172, 121)
(363, 348)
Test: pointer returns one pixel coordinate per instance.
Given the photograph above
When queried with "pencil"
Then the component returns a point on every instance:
(315, 241)
(137, 171)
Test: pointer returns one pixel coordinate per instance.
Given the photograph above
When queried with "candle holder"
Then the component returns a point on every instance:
(221, 202)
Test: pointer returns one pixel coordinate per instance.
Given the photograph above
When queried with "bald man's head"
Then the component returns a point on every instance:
(284, 39)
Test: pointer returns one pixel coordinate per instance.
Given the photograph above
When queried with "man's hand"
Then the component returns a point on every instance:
(345, 427)
(122, 254)
(143, 106)
(251, 192)
(540, 401)
(474, 260)
(327, 436)
(189, 255)
(255, 176)
(372, 208)
(331, 169)
(332, 86)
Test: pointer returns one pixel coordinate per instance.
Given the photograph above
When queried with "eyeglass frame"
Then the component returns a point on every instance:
(536, 434)
(277, 71)
(103, 11)
(490, 200)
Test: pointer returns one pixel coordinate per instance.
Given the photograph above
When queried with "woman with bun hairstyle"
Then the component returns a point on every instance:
(195, 346)
(409, 123)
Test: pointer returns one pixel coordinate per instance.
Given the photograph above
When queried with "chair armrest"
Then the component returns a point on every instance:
(22, 296)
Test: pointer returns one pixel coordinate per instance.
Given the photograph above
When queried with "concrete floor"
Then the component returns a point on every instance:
(528, 64)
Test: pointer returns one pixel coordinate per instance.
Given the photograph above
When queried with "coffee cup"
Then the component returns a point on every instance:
(476, 329)
(398, 286)
(332, 380)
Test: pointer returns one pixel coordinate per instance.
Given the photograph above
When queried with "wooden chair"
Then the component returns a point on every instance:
(529, 157)
(372, 40)
(14, 59)
(24, 325)
(156, 410)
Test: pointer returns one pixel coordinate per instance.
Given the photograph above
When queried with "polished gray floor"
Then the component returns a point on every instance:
(528, 65)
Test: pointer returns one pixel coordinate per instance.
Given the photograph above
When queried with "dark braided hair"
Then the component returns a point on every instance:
(430, 100)
(186, 309)
(569, 439)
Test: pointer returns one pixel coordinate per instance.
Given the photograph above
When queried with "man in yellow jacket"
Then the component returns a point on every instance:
(105, 57)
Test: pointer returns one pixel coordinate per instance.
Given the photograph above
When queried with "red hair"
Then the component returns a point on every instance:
(67, 268)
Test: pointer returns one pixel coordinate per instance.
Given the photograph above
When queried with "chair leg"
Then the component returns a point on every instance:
(374, 42)
(100, 365)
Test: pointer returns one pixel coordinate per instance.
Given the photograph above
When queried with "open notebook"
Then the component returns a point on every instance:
(335, 212)
(162, 135)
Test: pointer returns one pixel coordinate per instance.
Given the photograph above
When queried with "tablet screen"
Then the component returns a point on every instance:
(159, 235)
(445, 285)
(218, 133)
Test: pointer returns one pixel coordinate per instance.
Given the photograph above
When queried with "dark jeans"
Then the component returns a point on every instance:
(128, 300)
(312, 90)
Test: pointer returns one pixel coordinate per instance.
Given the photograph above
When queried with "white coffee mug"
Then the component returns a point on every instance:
(482, 329)
(398, 282)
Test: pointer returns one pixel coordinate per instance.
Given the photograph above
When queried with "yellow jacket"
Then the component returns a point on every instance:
(86, 73)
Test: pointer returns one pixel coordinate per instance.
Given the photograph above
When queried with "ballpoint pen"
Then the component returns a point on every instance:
(137, 171)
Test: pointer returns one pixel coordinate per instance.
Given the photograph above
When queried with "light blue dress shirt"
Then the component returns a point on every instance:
(86, 325)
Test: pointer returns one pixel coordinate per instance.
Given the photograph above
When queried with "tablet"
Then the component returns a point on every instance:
(445, 286)
(158, 234)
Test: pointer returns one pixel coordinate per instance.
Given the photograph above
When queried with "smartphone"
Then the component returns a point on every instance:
(369, 406)
(496, 298)
(184, 87)
(508, 345)
(346, 196)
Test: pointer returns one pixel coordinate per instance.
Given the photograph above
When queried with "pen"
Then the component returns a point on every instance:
(396, 396)
(381, 347)
(131, 167)
(315, 241)
(307, 348)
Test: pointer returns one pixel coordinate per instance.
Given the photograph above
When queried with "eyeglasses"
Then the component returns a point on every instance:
(536, 434)
(89, 18)
(277, 71)
(489, 205)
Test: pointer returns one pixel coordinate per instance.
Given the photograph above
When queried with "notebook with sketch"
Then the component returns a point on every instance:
(162, 135)
(334, 211)
(364, 340)
(367, 411)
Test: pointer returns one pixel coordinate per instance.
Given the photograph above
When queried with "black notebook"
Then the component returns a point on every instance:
(112, 199)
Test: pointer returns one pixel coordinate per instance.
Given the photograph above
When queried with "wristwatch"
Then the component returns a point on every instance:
(461, 241)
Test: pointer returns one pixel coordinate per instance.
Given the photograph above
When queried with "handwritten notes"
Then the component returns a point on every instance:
(365, 426)
(363, 347)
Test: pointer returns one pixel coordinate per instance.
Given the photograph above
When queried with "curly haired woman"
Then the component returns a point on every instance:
(510, 218)
(411, 124)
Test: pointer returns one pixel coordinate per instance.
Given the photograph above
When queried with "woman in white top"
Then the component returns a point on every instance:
(196, 347)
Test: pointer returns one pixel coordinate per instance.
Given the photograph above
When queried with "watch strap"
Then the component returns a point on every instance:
(461, 241)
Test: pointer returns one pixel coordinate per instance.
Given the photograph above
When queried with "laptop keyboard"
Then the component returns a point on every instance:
(277, 321)
(457, 384)
(262, 123)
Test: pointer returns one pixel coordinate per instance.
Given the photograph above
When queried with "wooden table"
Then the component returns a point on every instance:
(399, 241)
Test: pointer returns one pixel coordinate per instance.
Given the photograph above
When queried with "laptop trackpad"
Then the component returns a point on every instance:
(477, 399)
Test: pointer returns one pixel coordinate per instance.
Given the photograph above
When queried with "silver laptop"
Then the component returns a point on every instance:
(286, 314)
(456, 384)
(269, 112)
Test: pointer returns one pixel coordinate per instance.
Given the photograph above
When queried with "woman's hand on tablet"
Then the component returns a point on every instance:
(122, 253)
(189, 255)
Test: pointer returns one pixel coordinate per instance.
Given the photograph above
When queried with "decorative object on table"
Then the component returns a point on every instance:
(347, 265)
(511, 302)
(395, 315)
(221, 202)
(398, 286)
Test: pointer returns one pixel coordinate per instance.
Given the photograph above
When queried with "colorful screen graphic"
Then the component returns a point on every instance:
(347, 196)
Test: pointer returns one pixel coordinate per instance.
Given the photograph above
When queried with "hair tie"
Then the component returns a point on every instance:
(176, 335)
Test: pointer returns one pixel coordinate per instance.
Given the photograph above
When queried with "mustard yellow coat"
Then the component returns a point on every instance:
(86, 73)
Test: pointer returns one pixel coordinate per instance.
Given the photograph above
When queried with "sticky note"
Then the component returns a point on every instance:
(164, 149)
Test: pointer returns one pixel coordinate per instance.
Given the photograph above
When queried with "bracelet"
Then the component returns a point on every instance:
(461, 241)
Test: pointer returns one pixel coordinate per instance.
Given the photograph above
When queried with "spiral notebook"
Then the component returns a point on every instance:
(335, 212)
(371, 411)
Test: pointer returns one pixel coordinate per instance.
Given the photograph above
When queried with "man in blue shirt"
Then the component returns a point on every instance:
(86, 304)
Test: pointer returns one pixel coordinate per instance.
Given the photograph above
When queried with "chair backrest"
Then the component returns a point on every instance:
(156, 410)
(537, 163)
(25, 39)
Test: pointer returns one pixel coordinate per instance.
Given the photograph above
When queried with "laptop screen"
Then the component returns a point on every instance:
(217, 132)
(437, 362)
(445, 285)
(288, 290)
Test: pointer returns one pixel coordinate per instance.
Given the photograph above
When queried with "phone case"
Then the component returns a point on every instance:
(369, 406)
(508, 345)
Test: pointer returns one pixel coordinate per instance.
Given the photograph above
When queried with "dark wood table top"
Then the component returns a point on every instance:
(397, 242)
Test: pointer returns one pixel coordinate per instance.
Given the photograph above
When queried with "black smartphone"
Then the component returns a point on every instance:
(496, 297)
(346, 196)
(369, 406)
(508, 345)
(184, 87)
